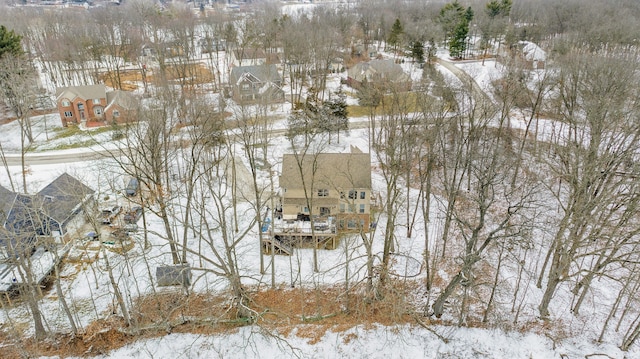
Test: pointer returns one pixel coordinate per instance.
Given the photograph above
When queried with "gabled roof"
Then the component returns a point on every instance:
(264, 73)
(84, 92)
(332, 171)
(122, 99)
(24, 216)
(249, 54)
(378, 70)
(532, 52)
(7, 198)
(63, 196)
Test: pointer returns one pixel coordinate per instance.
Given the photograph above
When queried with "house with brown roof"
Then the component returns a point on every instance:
(384, 74)
(319, 186)
(253, 57)
(93, 105)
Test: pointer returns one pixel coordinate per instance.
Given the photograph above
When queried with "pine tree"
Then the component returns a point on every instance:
(455, 21)
(417, 52)
(10, 42)
(396, 35)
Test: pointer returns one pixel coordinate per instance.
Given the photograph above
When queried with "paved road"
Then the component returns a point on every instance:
(86, 154)
(55, 157)
(466, 79)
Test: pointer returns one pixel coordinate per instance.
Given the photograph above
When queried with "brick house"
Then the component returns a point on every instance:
(93, 105)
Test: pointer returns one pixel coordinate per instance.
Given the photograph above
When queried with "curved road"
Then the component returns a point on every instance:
(76, 155)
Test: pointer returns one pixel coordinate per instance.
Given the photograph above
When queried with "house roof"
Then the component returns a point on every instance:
(249, 54)
(332, 171)
(6, 200)
(532, 52)
(62, 196)
(84, 92)
(378, 70)
(263, 73)
(24, 216)
(121, 99)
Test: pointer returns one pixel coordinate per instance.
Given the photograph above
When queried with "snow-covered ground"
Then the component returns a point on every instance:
(89, 289)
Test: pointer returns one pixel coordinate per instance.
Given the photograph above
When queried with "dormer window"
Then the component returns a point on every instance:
(66, 103)
(96, 101)
(323, 193)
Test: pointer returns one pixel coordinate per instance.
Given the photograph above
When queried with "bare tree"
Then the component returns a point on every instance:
(592, 160)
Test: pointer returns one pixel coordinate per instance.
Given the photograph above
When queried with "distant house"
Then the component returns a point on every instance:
(359, 50)
(384, 74)
(338, 185)
(54, 211)
(253, 57)
(93, 105)
(532, 54)
(209, 45)
(256, 84)
(336, 65)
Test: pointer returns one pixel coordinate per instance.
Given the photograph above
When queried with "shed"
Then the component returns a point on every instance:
(173, 275)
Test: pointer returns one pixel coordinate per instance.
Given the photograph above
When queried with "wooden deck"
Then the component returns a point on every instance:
(283, 242)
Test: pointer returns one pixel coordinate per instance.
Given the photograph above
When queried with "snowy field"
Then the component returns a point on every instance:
(89, 293)
(88, 289)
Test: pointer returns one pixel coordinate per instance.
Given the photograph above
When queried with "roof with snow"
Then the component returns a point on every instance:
(532, 52)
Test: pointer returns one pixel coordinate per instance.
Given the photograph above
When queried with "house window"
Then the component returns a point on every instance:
(352, 208)
(96, 101)
(245, 86)
(342, 207)
(362, 208)
(66, 103)
(363, 195)
(351, 224)
(305, 209)
(353, 194)
(68, 114)
(116, 113)
(98, 111)
(323, 193)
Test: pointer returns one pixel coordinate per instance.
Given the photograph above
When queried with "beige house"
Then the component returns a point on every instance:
(383, 74)
(330, 185)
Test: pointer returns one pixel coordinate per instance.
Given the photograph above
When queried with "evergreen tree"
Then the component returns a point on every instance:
(417, 52)
(455, 21)
(10, 42)
(395, 36)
